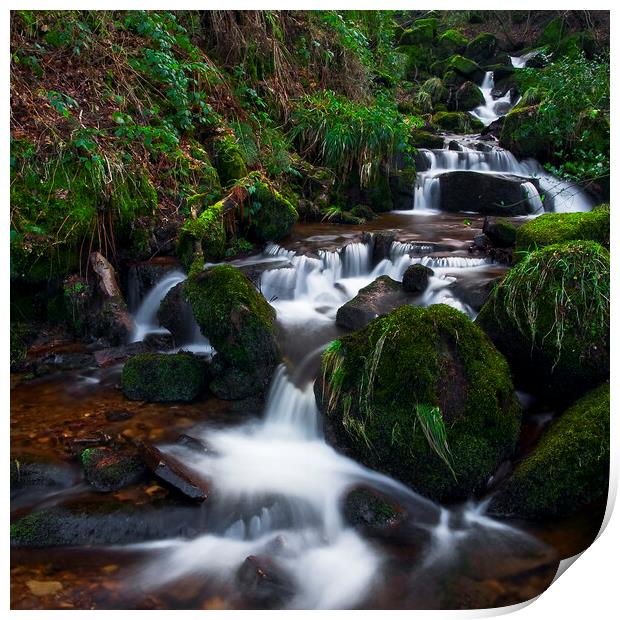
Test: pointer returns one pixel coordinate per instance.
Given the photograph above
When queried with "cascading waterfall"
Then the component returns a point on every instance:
(492, 108)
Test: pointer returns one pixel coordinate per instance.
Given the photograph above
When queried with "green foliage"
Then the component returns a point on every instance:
(434, 429)
(342, 135)
(573, 114)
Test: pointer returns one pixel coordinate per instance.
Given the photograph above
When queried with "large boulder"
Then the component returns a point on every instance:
(558, 227)
(415, 278)
(568, 469)
(449, 43)
(459, 122)
(465, 67)
(519, 135)
(550, 317)
(175, 314)
(501, 232)
(468, 97)
(487, 194)
(239, 323)
(159, 377)
(379, 297)
(483, 48)
(422, 394)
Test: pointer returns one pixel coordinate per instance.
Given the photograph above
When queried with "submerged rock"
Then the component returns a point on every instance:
(488, 194)
(568, 469)
(159, 377)
(379, 297)
(106, 469)
(474, 291)
(240, 324)
(263, 583)
(422, 394)
(550, 317)
(372, 512)
(415, 278)
(31, 472)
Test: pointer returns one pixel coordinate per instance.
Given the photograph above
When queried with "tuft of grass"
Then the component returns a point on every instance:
(434, 429)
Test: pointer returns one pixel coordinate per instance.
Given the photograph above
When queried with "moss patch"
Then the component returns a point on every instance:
(459, 122)
(550, 317)
(228, 159)
(413, 374)
(158, 377)
(558, 227)
(568, 469)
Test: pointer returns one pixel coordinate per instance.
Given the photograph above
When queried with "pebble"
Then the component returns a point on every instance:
(43, 588)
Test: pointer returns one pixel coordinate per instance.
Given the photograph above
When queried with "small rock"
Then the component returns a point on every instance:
(453, 145)
(481, 242)
(116, 355)
(415, 278)
(108, 470)
(500, 231)
(263, 582)
(44, 588)
(118, 415)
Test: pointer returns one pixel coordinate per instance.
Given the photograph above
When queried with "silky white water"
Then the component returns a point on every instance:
(492, 108)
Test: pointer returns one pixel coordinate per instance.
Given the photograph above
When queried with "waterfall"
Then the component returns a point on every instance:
(492, 108)
(146, 316)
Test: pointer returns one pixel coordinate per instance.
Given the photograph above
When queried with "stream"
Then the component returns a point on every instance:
(277, 487)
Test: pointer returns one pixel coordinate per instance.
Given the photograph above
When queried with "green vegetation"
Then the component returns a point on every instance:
(159, 377)
(568, 469)
(422, 394)
(550, 317)
(553, 228)
(107, 470)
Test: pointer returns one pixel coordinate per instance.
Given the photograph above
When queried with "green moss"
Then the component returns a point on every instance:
(573, 45)
(469, 97)
(520, 135)
(553, 33)
(482, 48)
(418, 60)
(459, 122)
(426, 140)
(550, 317)
(206, 231)
(238, 322)
(228, 159)
(450, 42)
(158, 377)
(568, 469)
(380, 194)
(375, 382)
(422, 33)
(465, 67)
(553, 228)
(106, 470)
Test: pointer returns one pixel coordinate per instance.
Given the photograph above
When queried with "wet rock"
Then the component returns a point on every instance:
(175, 314)
(482, 147)
(493, 131)
(453, 145)
(500, 232)
(481, 242)
(144, 275)
(568, 469)
(173, 471)
(488, 194)
(468, 97)
(159, 377)
(415, 278)
(371, 511)
(118, 415)
(382, 242)
(116, 355)
(474, 291)
(107, 469)
(104, 523)
(379, 297)
(159, 342)
(187, 441)
(57, 362)
(263, 583)
(447, 374)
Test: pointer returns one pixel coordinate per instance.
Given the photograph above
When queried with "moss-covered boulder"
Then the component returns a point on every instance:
(228, 159)
(553, 228)
(271, 215)
(422, 32)
(422, 394)
(239, 323)
(158, 377)
(426, 139)
(459, 122)
(568, 469)
(108, 470)
(501, 232)
(553, 33)
(449, 43)
(465, 67)
(520, 135)
(550, 317)
(418, 59)
(468, 97)
(482, 49)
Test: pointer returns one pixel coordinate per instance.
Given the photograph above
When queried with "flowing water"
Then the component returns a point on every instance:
(278, 488)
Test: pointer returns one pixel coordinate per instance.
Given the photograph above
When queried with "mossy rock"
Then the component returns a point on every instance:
(483, 48)
(422, 33)
(521, 136)
(465, 67)
(575, 44)
(228, 159)
(500, 231)
(558, 227)
(550, 317)
(449, 43)
(273, 215)
(468, 97)
(418, 60)
(413, 371)
(459, 122)
(380, 194)
(568, 469)
(426, 139)
(159, 377)
(206, 232)
(108, 470)
(553, 33)
(239, 323)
